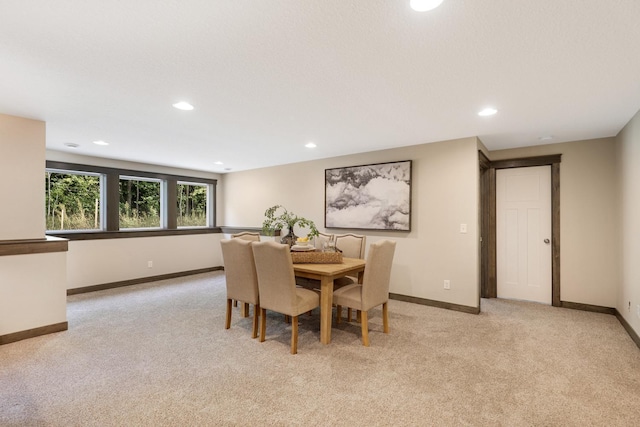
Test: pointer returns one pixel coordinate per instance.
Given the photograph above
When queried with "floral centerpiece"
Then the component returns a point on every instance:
(285, 219)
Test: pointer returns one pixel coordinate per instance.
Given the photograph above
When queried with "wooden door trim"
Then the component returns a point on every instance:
(488, 206)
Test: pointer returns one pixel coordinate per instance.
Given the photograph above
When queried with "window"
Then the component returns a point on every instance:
(192, 204)
(72, 200)
(139, 203)
(100, 201)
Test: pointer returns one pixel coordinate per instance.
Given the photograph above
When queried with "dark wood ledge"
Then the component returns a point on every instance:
(130, 234)
(39, 246)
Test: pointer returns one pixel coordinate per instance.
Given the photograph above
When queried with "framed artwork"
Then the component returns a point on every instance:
(369, 197)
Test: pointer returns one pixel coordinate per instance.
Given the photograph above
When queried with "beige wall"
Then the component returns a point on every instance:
(22, 144)
(33, 286)
(588, 218)
(96, 262)
(444, 195)
(628, 151)
(32, 291)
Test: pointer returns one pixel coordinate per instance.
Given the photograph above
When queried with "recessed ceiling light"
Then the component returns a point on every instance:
(227, 169)
(489, 111)
(546, 138)
(101, 142)
(218, 163)
(424, 5)
(310, 145)
(71, 145)
(182, 105)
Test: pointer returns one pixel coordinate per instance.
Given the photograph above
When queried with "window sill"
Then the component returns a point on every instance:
(124, 234)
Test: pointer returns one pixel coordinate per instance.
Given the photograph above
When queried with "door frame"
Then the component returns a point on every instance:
(488, 244)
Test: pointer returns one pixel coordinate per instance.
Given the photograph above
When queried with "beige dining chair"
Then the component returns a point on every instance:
(253, 237)
(352, 246)
(247, 235)
(277, 286)
(321, 239)
(374, 289)
(241, 278)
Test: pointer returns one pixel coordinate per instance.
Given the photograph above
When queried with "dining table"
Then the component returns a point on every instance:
(326, 274)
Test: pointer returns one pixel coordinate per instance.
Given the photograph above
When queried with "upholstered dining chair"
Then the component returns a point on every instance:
(277, 286)
(374, 289)
(247, 235)
(253, 237)
(352, 246)
(321, 239)
(241, 278)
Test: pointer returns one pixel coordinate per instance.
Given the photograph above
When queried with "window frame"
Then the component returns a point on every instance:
(111, 203)
(162, 220)
(209, 215)
(101, 197)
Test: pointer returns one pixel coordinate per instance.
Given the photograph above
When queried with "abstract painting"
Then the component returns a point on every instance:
(374, 197)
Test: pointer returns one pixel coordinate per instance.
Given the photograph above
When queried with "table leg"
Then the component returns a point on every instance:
(326, 300)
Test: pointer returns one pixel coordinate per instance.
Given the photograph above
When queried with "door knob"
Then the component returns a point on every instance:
(547, 241)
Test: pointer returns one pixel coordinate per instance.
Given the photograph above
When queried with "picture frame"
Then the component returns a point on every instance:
(369, 197)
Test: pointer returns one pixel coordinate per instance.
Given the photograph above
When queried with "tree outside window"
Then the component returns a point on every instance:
(72, 200)
(192, 204)
(139, 203)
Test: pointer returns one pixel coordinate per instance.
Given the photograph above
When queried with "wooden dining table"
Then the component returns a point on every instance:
(326, 274)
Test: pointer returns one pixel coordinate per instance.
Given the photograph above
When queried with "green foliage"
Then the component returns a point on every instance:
(139, 204)
(192, 205)
(286, 219)
(71, 201)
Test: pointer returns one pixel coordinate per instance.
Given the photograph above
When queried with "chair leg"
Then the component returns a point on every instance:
(338, 313)
(287, 318)
(349, 314)
(385, 318)
(358, 316)
(244, 309)
(235, 303)
(294, 335)
(227, 322)
(256, 315)
(365, 329)
(263, 324)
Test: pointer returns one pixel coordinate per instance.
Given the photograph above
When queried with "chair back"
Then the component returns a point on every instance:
(276, 279)
(321, 239)
(240, 270)
(375, 283)
(247, 235)
(351, 245)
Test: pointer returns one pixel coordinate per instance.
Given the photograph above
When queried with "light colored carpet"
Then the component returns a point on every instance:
(158, 354)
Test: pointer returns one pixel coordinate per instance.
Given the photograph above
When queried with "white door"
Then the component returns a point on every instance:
(523, 233)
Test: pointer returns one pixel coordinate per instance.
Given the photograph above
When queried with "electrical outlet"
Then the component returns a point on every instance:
(463, 228)
(447, 284)
(149, 264)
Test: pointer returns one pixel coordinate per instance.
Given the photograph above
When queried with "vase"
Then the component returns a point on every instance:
(290, 238)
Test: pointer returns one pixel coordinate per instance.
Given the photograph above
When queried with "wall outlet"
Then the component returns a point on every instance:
(149, 264)
(463, 228)
(447, 284)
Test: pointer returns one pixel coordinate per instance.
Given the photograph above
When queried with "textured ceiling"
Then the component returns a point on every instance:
(266, 77)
